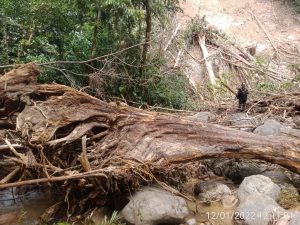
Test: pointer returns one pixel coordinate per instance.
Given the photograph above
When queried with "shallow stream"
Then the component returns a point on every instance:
(24, 207)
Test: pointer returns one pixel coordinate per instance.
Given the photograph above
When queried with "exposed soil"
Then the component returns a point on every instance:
(236, 19)
(272, 28)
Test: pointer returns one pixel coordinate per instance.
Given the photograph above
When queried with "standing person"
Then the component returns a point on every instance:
(242, 97)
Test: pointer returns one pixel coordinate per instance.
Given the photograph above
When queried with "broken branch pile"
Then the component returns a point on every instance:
(53, 133)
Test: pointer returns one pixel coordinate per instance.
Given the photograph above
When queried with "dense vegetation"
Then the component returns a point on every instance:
(86, 33)
(78, 30)
(297, 5)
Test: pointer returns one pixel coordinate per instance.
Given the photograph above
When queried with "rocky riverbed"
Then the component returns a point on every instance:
(256, 201)
(243, 192)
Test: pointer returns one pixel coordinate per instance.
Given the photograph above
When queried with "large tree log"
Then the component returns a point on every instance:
(52, 116)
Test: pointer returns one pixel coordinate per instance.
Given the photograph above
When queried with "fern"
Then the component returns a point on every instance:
(114, 220)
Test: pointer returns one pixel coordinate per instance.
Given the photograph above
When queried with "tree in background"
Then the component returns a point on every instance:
(297, 5)
(78, 30)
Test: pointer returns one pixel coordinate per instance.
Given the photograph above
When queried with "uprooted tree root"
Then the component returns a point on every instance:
(56, 134)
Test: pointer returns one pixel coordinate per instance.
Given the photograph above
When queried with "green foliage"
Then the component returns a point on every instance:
(62, 223)
(199, 26)
(169, 91)
(62, 30)
(265, 86)
(261, 61)
(286, 85)
(114, 220)
(297, 5)
(269, 86)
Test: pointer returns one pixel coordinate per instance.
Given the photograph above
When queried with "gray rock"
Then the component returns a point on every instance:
(283, 220)
(270, 127)
(203, 117)
(278, 176)
(152, 206)
(295, 219)
(259, 209)
(211, 190)
(258, 184)
(240, 119)
(295, 180)
(237, 170)
(289, 218)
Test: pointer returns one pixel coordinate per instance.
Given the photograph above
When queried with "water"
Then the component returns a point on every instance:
(214, 213)
(25, 205)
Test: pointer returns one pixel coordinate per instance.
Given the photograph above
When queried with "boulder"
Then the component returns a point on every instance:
(238, 119)
(258, 209)
(295, 219)
(211, 190)
(236, 169)
(203, 117)
(277, 175)
(270, 127)
(152, 206)
(295, 180)
(258, 184)
(283, 220)
(241, 121)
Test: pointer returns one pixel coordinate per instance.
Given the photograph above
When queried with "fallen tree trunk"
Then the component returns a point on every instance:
(51, 119)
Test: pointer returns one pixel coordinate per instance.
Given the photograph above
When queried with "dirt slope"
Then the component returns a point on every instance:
(236, 19)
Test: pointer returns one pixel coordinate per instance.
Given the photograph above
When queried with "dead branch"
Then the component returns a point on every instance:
(207, 62)
(173, 36)
(10, 176)
(94, 173)
(21, 156)
(264, 30)
(83, 157)
(178, 58)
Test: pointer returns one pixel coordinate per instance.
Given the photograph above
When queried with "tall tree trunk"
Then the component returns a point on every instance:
(60, 46)
(95, 34)
(4, 42)
(147, 5)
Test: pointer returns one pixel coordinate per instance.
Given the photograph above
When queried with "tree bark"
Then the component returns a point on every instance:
(148, 20)
(208, 65)
(53, 117)
(96, 28)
